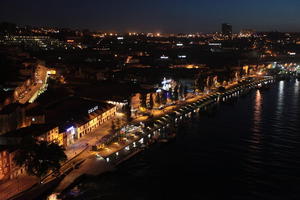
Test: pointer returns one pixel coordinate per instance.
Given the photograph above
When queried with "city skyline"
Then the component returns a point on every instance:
(155, 16)
(141, 99)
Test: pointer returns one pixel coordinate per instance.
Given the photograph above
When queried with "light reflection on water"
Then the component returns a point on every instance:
(257, 116)
(257, 111)
(280, 106)
(297, 88)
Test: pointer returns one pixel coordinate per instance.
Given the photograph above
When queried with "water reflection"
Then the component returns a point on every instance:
(259, 158)
(257, 117)
(279, 107)
(257, 111)
(297, 88)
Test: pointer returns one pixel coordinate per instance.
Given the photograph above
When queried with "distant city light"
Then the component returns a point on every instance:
(164, 57)
(292, 53)
(182, 56)
(215, 44)
(52, 197)
(51, 72)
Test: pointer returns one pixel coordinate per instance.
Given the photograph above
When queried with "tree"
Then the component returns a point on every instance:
(175, 94)
(113, 127)
(127, 111)
(151, 102)
(200, 83)
(157, 99)
(182, 90)
(163, 97)
(118, 123)
(185, 91)
(209, 82)
(143, 100)
(39, 157)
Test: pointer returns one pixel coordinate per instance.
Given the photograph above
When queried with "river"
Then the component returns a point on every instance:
(249, 149)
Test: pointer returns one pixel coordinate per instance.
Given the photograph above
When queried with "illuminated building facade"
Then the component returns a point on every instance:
(8, 169)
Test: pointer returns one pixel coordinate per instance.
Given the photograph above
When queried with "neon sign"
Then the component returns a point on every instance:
(70, 129)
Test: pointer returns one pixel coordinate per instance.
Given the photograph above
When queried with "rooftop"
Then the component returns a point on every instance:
(107, 91)
(9, 108)
(71, 110)
(34, 130)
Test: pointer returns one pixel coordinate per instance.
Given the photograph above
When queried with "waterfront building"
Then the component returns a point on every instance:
(88, 123)
(76, 116)
(41, 132)
(64, 129)
(9, 146)
(8, 169)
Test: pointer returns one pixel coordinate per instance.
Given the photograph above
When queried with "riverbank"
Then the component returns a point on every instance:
(245, 148)
(158, 127)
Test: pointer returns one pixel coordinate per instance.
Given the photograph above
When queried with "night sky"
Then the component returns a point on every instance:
(166, 16)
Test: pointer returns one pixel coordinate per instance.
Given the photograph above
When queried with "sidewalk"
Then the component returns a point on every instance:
(95, 166)
(90, 139)
(91, 166)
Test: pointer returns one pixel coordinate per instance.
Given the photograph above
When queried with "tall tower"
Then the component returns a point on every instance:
(226, 30)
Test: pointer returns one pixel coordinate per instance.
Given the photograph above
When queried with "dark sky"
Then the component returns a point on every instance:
(155, 15)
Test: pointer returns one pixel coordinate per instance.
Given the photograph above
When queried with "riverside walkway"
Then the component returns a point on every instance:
(119, 151)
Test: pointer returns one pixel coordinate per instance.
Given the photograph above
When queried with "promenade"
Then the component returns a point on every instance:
(117, 149)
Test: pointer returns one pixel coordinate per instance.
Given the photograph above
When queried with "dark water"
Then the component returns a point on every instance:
(246, 150)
